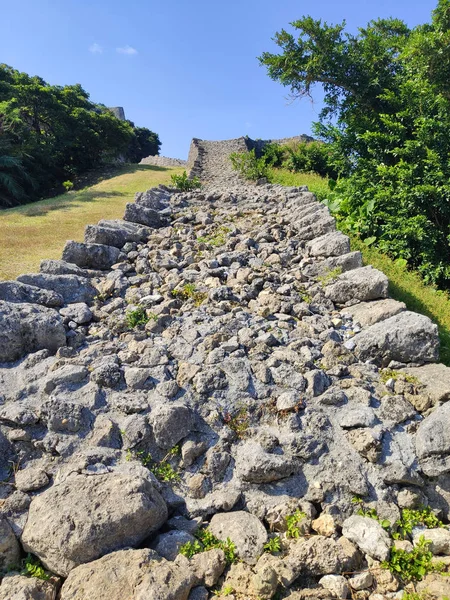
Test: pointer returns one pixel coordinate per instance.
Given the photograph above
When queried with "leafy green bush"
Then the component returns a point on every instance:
(414, 565)
(184, 184)
(249, 166)
(68, 185)
(137, 317)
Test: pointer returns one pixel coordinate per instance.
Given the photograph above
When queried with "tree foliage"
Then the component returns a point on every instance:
(50, 134)
(387, 117)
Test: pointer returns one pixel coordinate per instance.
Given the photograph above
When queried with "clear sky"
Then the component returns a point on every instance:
(183, 68)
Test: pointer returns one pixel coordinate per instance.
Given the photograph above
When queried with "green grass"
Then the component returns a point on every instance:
(404, 285)
(39, 230)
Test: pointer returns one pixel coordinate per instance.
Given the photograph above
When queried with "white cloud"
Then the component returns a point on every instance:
(127, 50)
(95, 48)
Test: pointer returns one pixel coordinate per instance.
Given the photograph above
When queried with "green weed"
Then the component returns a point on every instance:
(238, 422)
(32, 567)
(137, 317)
(207, 541)
(329, 276)
(184, 184)
(293, 523)
(414, 565)
(273, 546)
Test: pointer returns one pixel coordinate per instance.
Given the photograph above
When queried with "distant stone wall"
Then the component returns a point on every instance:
(118, 112)
(163, 161)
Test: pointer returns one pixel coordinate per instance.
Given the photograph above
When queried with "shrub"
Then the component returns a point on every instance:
(68, 185)
(249, 166)
(137, 317)
(184, 184)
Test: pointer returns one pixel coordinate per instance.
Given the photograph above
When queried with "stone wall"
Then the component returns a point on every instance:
(163, 161)
(221, 359)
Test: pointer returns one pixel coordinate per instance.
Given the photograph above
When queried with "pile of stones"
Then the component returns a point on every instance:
(214, 396)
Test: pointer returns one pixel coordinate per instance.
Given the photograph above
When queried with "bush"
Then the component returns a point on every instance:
(68, 185)
(184, 184)
(249, 166)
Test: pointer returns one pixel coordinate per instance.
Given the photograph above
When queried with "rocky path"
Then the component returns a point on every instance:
(215, 396)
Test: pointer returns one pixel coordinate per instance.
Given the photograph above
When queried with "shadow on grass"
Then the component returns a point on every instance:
(71, 202)
(416, 305)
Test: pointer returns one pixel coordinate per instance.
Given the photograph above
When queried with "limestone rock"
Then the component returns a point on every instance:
(433, 442)
(72, 288)
(361, 284)
(19, 587)
(208, 566)
(244, 529)
(255, 465)
(369, 313)
(145, 216)
(336, 584)
(171, 423)
(368, 535)
(14, 291)
(9, 547)
(330, 244)
(85, 517)
(137, 574)
(406, 337)
(27, 328)
(439, 538)
(90, 256)
(435, 378)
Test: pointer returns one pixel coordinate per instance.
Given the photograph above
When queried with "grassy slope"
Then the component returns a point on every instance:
(35, 231)
(405, 286)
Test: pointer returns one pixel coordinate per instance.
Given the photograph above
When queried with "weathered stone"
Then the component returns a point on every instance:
(323, 268)
(255, 465)
(31, 479)
(361, 581)
(406, 337)
(90, 256)
(361, 284)
(168, 544)
(171, 423)
(85, 517)
(78, 312)
(111, 236)
(14, 291)
(208, 566)
(72, 288)
(330, 244)
(19, 587)
(433, 442)
(9, 547)
(137, 574)
(336, 584)
(244, 529)
(369, 313)
(435, 586)
(324, 525)
(439, 538)
(27, 328)
(145, 216)
(315, 556)
(435, 378)
(368, 535)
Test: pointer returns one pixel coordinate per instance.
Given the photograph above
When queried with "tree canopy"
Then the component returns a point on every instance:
(50, 133)
(387, 118)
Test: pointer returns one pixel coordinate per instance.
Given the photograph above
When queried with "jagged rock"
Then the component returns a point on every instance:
(90, 256)
(315, 556)
(30, 480)
(124, 574)
(19, 587)
(433, 442)
(9, 547)
(61, 267)
(72, 288)
(168, 544)
(330, 244)
(208, 566)
(369, 313)
(78, 312)
(435, 586)
(171, 423)
(361, 581)
(406, 337)
(112, 236)
(14, 291)
(27, 328)
(255, 465)
(336, 584)
(145, 216)
(346, 262)
(65, 375)
(85, 517)
(361, 284)
(368, 535)
(6, 454)
(435, 378)
(244, 529)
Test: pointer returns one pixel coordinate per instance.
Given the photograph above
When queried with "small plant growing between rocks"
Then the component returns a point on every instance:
(226, 591)
(273, 546)
(207, 541)
(387, 374)
(137, 317)
(412, 566)
(32, 567)
(293, 524)
(216, 238)
(370, 512)
(239, 422)
(184, 184)
(412, 518)
(162, 470)
(189, 292)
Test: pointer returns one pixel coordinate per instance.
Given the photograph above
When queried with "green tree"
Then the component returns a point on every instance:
(387, 115)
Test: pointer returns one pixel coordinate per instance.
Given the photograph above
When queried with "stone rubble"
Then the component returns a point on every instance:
(219, 359)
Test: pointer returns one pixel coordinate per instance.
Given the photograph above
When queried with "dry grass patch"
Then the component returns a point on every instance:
(36, 231)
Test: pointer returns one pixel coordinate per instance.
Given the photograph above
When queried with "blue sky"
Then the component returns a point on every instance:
(182, 68)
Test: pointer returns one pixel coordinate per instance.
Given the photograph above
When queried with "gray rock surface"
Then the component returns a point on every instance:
(368, 535)
(369, 313)
(19, 587)
(9, 547)
(14, 291)
(85, 517)
(365, 283)
(244, 529)
(90, 256)
(27, 328)
(144, 216)
(433, 442)
(72, 288)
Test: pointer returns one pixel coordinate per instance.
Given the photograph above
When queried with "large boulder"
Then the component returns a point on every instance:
(435, 378)
(111, 236)
(330, 244)
(369, 313)
(91, 256)
(72, 288)
(255, 465)
(61, 267)
(244, 529)
(28, 327)
(85, 517)
(406, 337)
(137, 213)
(14, 291)
(433, 442)
(363, 284)
(171, 423)
(129, 574)
(346, 262)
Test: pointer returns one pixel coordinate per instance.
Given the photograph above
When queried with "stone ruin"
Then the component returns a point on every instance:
(218, 359)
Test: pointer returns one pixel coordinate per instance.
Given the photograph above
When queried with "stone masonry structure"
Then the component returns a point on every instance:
(218, 361)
